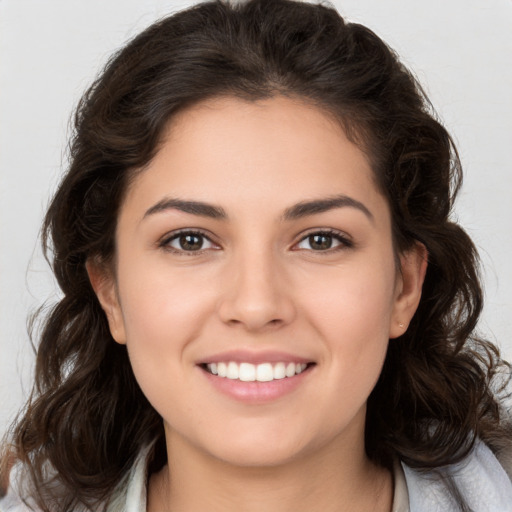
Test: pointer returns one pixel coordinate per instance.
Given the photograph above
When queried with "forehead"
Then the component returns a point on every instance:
(274, 151)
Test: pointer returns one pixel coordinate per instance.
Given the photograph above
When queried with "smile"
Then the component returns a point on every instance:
(248, 372)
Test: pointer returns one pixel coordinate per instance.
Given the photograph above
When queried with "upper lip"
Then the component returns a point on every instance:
(254, 357)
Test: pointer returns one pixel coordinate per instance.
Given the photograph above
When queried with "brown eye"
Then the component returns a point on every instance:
(324, 241)
(320, 242)
(188, 241)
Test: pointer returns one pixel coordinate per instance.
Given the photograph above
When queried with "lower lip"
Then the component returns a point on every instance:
(256, 392)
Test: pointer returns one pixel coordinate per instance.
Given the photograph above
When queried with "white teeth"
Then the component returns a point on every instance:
(279, 371)
(222, 369)
(264, 372)
(247, 372)
(232, 372)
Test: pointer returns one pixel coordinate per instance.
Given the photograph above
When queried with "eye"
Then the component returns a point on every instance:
(188, 241)
(324, 241)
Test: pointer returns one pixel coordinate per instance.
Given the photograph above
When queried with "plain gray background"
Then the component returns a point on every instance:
(461, 51)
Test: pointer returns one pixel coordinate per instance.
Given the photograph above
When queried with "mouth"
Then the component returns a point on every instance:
(262, 372)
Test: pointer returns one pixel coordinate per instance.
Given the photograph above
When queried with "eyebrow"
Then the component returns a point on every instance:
(316, 206)
(297, 211)
(193, 207)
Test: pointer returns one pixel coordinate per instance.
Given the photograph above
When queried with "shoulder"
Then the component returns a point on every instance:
(129, 495)
(479, 479)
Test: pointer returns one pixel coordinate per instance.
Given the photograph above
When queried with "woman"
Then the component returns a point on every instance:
(265, 303)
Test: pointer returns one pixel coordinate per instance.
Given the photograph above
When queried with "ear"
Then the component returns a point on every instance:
(413, 267)
(103, 284)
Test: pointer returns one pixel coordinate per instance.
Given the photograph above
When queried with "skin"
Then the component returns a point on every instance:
(259, 284)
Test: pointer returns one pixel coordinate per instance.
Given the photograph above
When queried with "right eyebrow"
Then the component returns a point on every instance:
(193, 207)
(316, 206)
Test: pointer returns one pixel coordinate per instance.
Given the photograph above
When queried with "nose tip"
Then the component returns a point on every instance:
(256, 299)
(252, 318)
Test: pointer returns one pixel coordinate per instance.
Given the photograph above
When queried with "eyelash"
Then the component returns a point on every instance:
(344, 241)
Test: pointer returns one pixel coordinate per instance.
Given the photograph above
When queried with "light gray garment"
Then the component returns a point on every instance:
(479, 478)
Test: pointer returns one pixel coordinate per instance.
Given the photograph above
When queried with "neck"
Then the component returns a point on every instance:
(333, 478)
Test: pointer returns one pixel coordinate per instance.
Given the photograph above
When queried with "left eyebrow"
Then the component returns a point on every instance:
(193, 207)
(316, 206)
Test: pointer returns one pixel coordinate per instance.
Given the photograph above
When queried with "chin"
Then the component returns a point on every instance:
(261, 448)
(256, 456)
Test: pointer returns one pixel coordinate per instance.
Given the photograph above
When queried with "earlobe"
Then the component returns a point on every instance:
(413, 264)
(103, 284)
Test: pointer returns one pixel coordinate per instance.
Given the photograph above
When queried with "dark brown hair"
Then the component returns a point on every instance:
(87, 416)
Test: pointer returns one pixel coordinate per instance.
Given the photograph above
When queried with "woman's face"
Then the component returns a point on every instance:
(257, 244)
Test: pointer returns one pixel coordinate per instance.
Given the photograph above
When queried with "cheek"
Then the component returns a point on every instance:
(160, 303)
(355, 297)
(161, 318)
(352, 312)
(163, 313)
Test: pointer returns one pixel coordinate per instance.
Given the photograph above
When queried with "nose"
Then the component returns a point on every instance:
(257, 295)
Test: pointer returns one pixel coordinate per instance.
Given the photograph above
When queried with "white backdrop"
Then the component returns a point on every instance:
(461, 50)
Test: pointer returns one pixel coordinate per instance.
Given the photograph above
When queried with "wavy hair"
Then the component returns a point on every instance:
(87, 418)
